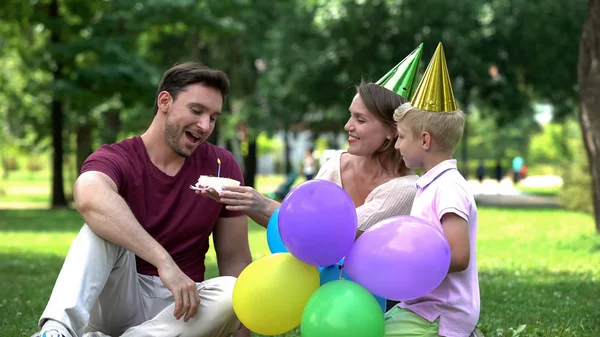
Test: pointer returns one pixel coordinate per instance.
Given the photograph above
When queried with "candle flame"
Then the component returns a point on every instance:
(218, 161)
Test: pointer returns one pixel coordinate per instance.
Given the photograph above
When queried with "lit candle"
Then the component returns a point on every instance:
(219, 171)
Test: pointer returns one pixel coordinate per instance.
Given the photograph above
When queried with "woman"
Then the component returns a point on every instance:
(371, 171)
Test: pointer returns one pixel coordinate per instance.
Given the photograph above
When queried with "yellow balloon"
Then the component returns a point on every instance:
(270, 294)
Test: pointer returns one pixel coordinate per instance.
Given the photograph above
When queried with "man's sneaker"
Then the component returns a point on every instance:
(48, 333)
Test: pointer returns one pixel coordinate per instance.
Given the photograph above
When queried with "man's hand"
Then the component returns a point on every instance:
(183, 288)
(210, 193)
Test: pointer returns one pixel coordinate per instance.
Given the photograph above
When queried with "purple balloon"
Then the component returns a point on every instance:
(317, 222)
(400, 258)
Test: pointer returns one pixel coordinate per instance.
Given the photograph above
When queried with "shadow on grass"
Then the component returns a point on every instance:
(44, 220)
(26, 282)
(25, 285)
(548, 303)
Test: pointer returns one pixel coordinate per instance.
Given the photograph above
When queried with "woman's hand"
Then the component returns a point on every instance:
(246, 199)
(238, 198)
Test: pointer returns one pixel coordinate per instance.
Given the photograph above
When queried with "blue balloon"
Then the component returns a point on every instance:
(332, 273)
(273, 236)
(382, 302)
(340, 262)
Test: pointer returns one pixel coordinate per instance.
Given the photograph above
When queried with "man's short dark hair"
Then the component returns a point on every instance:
(176, 79)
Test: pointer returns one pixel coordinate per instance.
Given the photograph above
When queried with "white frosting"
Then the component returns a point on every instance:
(215, 182)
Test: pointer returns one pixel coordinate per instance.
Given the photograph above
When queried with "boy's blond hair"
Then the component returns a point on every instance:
(446, 128)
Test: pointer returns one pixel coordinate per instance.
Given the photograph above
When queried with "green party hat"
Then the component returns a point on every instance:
(402, 78)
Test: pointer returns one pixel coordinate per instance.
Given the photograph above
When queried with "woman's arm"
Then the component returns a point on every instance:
(394, 199)
(246, 199)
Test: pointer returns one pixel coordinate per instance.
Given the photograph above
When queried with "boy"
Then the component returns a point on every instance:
(429, 128)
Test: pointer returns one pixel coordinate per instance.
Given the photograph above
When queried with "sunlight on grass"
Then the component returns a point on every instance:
(54, 243)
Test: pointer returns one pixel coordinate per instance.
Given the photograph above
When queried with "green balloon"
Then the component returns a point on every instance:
(342, 308)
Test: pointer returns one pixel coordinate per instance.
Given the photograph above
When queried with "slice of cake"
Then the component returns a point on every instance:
(217, 183)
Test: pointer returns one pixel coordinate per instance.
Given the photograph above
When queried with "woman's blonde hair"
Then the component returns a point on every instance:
(446, 128)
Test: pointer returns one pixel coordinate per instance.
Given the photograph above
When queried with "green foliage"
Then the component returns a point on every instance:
(267, 146)
(559, 144)
(576, 193)
(488, 141)
(562, 145)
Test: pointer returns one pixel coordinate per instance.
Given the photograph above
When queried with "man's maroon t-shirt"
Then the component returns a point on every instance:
(179, 219)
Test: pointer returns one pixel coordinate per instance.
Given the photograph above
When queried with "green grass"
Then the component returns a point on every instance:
(32, 190)
(550, 191)
(539, 269)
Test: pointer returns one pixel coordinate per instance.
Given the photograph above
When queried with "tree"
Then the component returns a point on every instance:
(589, 104)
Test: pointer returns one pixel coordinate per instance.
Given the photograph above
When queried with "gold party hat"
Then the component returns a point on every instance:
(434, 92)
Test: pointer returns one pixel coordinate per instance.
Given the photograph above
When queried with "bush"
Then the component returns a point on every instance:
(576, 191)
(10, 163)
(34, 164)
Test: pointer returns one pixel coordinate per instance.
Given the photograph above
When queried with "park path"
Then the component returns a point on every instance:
(505, 194)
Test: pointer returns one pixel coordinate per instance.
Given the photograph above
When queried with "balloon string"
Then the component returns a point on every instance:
(341, 277)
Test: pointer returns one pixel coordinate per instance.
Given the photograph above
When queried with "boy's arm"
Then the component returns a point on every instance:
(453, 207)
(456, 230)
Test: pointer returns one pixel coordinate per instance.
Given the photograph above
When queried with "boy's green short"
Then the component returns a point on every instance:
(405, 323)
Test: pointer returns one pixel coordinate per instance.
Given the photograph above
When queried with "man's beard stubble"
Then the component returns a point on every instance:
(172, 136)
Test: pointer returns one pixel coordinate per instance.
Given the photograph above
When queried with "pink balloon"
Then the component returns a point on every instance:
(400, 258)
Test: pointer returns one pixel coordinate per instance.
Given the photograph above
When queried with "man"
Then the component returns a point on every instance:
(136, 268)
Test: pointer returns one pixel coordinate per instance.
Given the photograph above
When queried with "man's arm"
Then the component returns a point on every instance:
(108, 215)
(233, 252)
(231, 245)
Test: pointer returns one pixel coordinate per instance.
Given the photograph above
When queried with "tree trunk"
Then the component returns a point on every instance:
(58, 192)
(250, 164)
(465, 146)
(84, 144)
(589, 98)
(112, 126)
(5, 169)
(287, 155)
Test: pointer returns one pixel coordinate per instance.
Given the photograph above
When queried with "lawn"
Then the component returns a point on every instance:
(549, 191)
(24, 189)
(539, 269)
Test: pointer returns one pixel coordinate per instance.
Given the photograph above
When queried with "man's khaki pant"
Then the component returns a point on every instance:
(98, 289)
